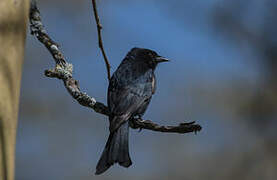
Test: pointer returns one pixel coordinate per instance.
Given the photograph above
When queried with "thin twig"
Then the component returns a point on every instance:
(64, 70)
(100, 42)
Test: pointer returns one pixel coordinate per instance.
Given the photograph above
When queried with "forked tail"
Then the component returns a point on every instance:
(116, 150)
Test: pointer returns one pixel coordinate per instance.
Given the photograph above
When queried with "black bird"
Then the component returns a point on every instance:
(130, 90)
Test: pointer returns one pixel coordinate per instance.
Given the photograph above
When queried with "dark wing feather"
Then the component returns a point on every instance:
(125, 101)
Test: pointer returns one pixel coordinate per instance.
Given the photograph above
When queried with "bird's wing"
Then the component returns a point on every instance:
(125, 101)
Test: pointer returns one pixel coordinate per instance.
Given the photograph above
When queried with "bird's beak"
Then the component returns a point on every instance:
(160, 59)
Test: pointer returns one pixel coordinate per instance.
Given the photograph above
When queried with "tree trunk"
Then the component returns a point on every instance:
(13, 20)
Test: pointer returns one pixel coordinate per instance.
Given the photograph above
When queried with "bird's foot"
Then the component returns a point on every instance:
(141, 120)
(133, 124)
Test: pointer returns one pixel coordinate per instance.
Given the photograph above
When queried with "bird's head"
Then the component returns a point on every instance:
(146, 56)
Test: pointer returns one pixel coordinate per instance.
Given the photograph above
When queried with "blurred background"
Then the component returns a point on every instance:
(222, 74)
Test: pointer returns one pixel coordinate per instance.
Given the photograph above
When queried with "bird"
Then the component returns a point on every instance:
(129, 93)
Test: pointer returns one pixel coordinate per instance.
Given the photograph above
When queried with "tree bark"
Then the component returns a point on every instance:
(13, 21)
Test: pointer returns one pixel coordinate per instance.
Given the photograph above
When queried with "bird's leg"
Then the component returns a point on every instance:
(140, 118)
(133, 124)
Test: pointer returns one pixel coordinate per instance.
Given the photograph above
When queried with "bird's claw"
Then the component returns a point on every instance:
(140, 129)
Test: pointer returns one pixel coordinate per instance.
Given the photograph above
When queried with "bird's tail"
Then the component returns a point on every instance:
(116, 150)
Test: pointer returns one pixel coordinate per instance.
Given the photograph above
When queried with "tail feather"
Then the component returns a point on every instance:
(116, 150)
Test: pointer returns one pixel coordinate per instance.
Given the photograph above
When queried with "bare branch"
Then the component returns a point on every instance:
(64, 70)
(100, 42)
(183, 128)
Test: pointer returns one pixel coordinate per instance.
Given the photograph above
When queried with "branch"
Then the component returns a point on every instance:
(100, 42)
(183, 128)
(64, 70)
